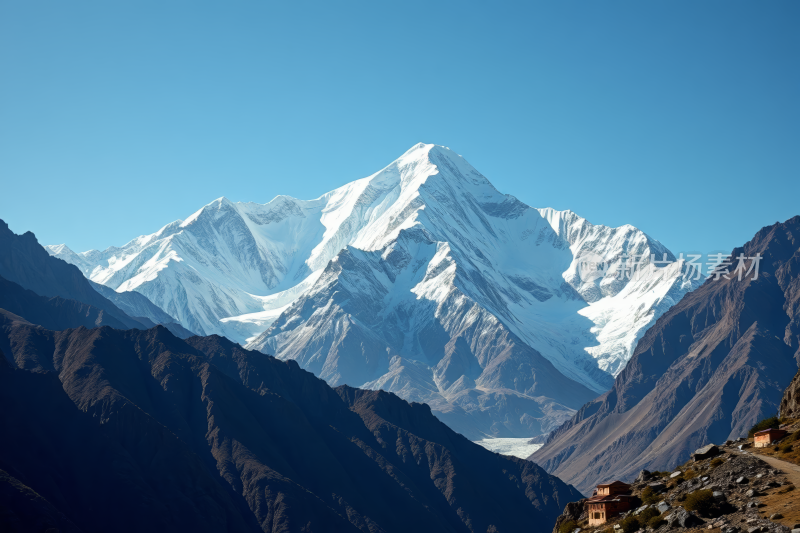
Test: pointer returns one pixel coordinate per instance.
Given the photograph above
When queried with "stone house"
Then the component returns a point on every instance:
(608, 501)
(764, 438)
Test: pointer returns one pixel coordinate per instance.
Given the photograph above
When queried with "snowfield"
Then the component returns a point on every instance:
(513, 447)
(421, 279)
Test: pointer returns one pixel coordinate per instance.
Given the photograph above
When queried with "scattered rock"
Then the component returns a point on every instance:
(706, 452)
(734, 485)
(683, 518)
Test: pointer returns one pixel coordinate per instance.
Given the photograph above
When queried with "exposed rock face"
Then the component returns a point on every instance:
(574, 511)
(707, 371)
(790, 403)
(141, 431)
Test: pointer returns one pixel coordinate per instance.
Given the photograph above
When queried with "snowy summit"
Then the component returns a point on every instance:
(421, 279)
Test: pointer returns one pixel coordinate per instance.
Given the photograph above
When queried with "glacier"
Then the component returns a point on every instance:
(421, 279)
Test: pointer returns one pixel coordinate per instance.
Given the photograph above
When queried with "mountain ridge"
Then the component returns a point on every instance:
(710, 368)
(204, 434)
(426, 234)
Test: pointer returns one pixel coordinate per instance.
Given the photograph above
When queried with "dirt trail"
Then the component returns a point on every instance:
(792, 470)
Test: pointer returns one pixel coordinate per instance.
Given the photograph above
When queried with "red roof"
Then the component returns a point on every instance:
(770, 430)
(617, 482)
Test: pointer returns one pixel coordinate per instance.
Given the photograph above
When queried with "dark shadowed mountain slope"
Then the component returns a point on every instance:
(141, 431)
(137, 306)
(129, 474)
(26, 263)
(710, 367)
(23, 261)
(58, 313)
(53, 313)
(22, 510)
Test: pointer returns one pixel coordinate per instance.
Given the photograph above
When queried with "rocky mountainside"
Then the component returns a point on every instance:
(53, 313)
(730, 492)
(23, 261)
(141, 431)
(421, 279)
(708, 370)
(73, 300)
(790, 403)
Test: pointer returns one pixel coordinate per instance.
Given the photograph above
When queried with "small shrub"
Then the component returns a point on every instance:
(716, 461)
(630, 524)
(772, 422)
(567, 527)
(649, 496)
(689, 474)
(792, 438)
(700, 501)
(645, 516)
(656, 522)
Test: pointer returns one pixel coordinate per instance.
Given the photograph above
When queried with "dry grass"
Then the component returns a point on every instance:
(785, 503)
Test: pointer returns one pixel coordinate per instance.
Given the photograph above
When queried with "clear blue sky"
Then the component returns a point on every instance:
(679, 117)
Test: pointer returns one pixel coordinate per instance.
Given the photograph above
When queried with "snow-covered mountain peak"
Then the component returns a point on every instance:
(421, 278)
